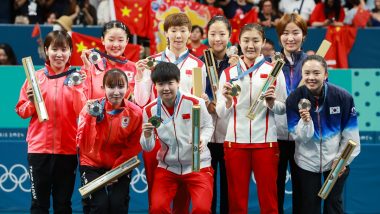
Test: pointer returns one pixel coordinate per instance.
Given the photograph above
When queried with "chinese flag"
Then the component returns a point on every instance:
(342, 39)
(239, 21)
(36, 30)
(83, 42)
(135, 14)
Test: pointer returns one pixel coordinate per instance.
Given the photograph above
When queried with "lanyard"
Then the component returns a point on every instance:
(250, 70)
(65, 73)
(110, 57)
(179, 60)
(175, 108)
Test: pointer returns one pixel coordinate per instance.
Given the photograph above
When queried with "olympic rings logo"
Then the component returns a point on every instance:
(288, 178)
(137, 186)
(15, 177)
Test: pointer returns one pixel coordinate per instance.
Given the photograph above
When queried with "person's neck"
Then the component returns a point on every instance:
(169, 103)
(58, 70)
(177, 52)
(249, 62)
(220, 55)
(195, 44)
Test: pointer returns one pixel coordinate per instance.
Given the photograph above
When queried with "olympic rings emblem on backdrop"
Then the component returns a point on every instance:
(138, 181)
(14, 177)
(288, 178)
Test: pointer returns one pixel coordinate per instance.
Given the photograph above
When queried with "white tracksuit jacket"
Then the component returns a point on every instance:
(240, 128)
(144, 91)
(175, 137)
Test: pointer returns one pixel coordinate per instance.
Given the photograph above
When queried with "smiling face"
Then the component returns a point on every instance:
(314, 75)
(115, 40)
(168, 91)
(218, 36)
(115, 92)
(178, 36)
(251, 42)
(58, 56)
(291, 38)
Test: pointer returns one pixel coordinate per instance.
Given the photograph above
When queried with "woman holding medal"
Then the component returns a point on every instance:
(292, 31)
(251, 145)
(51, 144)
(321, 129)
(173, 108)
(95, 63)
(218, 35)
(101, 149)
(177, 29)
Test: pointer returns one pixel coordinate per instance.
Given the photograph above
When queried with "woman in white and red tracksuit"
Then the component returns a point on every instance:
(177, 29)
(115, 39)
(51, 144)
(174, 171)
(251, 145)
(108, 140)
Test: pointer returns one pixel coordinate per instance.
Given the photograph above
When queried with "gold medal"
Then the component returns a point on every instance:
(150, 63)
(235, 90)
(155, 121)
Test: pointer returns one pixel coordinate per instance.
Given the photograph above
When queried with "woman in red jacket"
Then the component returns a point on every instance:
(106, 141)
(51, 144)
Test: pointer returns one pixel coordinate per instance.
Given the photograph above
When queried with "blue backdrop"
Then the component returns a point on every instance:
(362, 191)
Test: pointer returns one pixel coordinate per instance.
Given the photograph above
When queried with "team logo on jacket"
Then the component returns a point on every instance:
(335, 110)
(353, 112)
(124, 122)
(129, 75)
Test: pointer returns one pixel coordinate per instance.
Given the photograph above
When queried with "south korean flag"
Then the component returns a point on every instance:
(335, 110)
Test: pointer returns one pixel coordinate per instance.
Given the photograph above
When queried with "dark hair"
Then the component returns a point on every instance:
(164, 72)
(114, 77)
(268, 41)
(261, 4)
(251, 26)
(316, 58)
(194, 27)
(12, 60)
(58, 38)
(220, 19)
(291, 18)
(177, 19)
(335, 9)
(115, 24)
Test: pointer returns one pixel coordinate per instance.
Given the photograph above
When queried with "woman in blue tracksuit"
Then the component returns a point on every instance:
(321, 134)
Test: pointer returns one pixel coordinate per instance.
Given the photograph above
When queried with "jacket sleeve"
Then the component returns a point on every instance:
(87, 82)
(143, 88)
(79, 98)
(350, 131)
(86, 132)
(147, 144)
(300, 131)
(24, 107)
(207, 127)
(280, 92)
(221, 109)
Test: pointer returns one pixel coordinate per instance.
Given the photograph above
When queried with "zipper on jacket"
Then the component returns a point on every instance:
(250, 103)
(109, 131)
(320, 137)
(291, 77)
(55, 114)
(176, 139)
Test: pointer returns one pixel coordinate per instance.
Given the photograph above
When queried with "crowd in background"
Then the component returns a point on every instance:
(317, 13)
